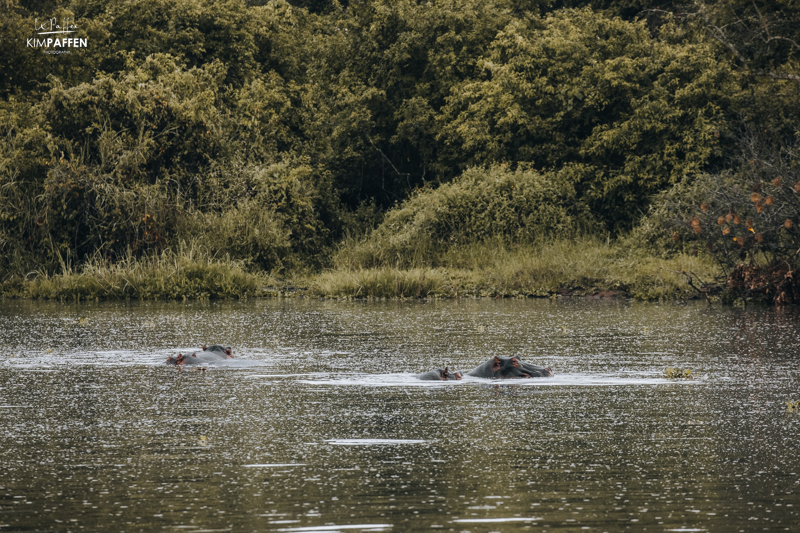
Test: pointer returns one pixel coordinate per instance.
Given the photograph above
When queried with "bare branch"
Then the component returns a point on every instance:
(777, 76)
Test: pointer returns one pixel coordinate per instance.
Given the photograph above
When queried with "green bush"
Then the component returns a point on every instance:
(636, 111)
(139, 160)
(272, 216)
(481, 205)
(744, 218)
(748, 214)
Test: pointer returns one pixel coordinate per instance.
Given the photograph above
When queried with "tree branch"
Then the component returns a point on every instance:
(777, 76)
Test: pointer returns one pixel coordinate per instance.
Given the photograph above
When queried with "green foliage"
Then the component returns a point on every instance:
(481, 205)
(381, 75)
(581, 267)
(156, 121)
(636, 112)
(677, 373)
(625, 9)
(24, 70)
(268, 130)
(273, 216)
(744, 215)
(186, 273)
(112, 160)
(196, 31)
(132, 161)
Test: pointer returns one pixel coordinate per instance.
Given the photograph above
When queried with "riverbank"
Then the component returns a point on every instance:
(567, 268)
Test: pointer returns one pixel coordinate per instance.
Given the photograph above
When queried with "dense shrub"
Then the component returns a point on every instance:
(481, 205)
(744, 218)
(143, 159)
(265, 132)
(636, 111)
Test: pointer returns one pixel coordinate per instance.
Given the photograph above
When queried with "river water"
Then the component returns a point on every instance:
(321, 425)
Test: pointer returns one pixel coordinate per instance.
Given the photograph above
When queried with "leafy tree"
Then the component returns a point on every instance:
(635, 112)
(762, 37)
(382, 72)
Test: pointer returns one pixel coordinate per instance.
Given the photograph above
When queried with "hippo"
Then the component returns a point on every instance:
(440, 374)
(495, 368)
(209, 354)
(509, 367)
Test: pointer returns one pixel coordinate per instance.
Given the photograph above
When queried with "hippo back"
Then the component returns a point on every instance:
(509, 367)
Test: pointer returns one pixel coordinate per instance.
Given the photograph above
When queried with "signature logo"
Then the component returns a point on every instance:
(53, 33)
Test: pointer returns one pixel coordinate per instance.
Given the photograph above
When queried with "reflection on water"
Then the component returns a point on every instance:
(321, 425)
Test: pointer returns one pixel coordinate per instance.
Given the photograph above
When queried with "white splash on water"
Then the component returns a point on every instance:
(273, 465)
(494, 520)
(372, 442)
(367, 527)
(411, 380)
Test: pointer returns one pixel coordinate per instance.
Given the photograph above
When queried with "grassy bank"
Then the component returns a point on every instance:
(582, 267)
(187, 273)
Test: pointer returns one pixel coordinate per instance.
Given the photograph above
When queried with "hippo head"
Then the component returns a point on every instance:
(514, 367)
(179, 360)
(442, 374)
(445, 374)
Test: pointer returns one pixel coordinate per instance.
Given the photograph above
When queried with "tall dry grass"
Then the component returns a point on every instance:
(582, 266)
(188, 272)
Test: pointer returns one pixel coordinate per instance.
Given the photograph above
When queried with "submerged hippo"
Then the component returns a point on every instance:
(509, 367)
(440, 374)
(209, 354)
(497, 368)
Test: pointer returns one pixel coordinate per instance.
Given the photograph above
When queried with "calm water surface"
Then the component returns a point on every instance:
(325, 428)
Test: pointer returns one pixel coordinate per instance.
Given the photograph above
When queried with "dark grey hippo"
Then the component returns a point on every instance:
(509, 367)
(440, 374)
(209, 354)
(495, 368)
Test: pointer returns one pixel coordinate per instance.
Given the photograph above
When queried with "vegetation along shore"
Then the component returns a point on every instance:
(402, 149)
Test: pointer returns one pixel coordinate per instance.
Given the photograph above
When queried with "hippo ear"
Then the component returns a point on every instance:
(204, 347)
(515, 362)
(445, 373)
(194, 354)
(496, 363)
